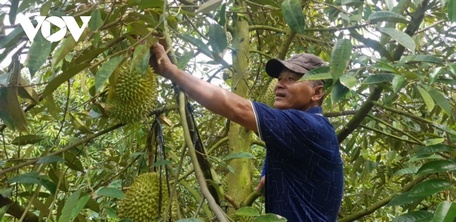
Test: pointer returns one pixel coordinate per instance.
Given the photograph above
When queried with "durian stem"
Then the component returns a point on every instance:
(172, 191)
(198, 172)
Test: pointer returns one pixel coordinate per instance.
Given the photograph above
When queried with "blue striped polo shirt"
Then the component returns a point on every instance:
(304, 174)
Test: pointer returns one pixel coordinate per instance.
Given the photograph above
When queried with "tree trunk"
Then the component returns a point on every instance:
(239, 182)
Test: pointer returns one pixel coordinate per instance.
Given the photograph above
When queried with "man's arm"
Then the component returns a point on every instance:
(214, 98)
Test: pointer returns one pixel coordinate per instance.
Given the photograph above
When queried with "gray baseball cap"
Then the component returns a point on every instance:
(300, 63)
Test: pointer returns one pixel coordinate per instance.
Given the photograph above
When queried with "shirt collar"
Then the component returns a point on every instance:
(315, 110)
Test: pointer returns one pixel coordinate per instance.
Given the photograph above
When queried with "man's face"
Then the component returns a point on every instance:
(290, 93)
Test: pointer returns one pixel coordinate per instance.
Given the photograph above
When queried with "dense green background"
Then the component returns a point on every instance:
(391, 97)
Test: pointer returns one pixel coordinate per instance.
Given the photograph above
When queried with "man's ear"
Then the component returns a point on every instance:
(319, 93)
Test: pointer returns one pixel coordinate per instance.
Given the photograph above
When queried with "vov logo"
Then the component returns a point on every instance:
(44, 23)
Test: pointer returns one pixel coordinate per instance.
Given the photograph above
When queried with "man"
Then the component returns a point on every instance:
(304, 175)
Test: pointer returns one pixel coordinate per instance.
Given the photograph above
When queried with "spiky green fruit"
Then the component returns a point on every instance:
(132, 96)
(268, 95)
(144, 201)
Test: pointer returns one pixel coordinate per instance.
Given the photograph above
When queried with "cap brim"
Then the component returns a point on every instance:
(275, 66)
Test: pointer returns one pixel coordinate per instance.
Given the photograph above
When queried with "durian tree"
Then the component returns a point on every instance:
(90, 133)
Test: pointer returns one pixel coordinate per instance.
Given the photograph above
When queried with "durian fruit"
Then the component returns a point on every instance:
(268, 96)
(142, 199)
(133, 95)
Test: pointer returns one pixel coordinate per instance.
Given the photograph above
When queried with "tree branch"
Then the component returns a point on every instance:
(17, 211)
(381, 203)
(438, 126)
(360, 115)
(341, 113)
(390, 135)
(413, 26)
(198, 172)
(395, 129)
(85, 140)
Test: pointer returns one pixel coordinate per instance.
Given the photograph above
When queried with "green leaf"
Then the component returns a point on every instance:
(12, 100)
(66, 75)
(27, 92)
(12, 38)
(239, 155)
(437, 167)
(397, 83)
(90, 54)
(65, 47)
(348, 81)
(217, 38)
(26, 178)
(4, 115)
(140, 61)
(209, 6)
(3, 210)
(406, 171)
(184, 59)
(387, 16)
(371, 43)
(320, 73)
(352, 2)
(402, 199)
(385, 66)
(79, 206)
(198, 43)
(267, 2)
(269, 217)
(13, 11)
(445, 212)
(440, 99)
(317, 76)
(144, 4)
(51, 159)
(378, 78)
(338, 92)
(426, 98)
(340, 56)
(111, 192)
(248, 212)
(49, 185)
(434, 141)
(422, 58)
(95, 20)
(401, 37)
(51, 106)
(222, 15)
(70, 204)
(413, 216)
(452, 68)
(452, 10)
(426, 150)
(203, 47)
(26, 139)
(429, 187)
(44, 9)
(38, 53)
(425, 157)
(72, 161)
(105, 71)
(292, 12)
(79, 124)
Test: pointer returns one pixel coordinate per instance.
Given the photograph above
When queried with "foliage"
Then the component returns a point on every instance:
(391, 97)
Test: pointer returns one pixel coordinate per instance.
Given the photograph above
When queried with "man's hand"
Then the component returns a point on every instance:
(160, 61)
